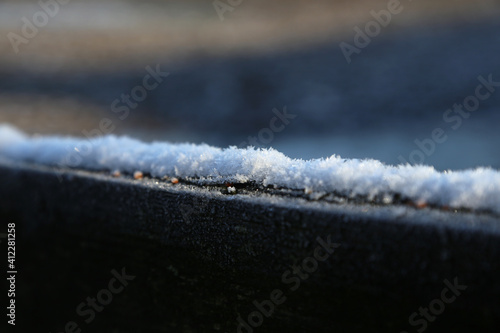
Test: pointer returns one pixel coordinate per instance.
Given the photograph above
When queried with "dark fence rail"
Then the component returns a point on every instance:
(105, 254)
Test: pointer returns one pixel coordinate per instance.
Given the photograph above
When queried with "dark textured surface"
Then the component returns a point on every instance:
(202, 257)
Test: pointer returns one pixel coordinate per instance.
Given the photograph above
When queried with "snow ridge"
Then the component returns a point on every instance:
(477, 189)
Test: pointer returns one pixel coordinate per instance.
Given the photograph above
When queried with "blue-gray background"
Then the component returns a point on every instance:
(227, 76)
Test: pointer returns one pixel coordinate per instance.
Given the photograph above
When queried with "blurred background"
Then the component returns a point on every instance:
(64, 67)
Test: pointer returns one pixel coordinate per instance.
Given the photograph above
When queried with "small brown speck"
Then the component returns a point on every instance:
(116, 173)
(138, 175)
(421, 204)
(175, 180)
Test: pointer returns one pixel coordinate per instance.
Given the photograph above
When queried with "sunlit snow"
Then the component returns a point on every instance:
(473, 189)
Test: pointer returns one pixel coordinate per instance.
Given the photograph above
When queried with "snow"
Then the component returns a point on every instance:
(477, 189)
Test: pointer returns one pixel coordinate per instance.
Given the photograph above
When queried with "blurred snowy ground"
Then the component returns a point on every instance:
(227, 76)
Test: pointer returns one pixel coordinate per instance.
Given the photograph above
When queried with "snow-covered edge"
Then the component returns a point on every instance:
(477, 189)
